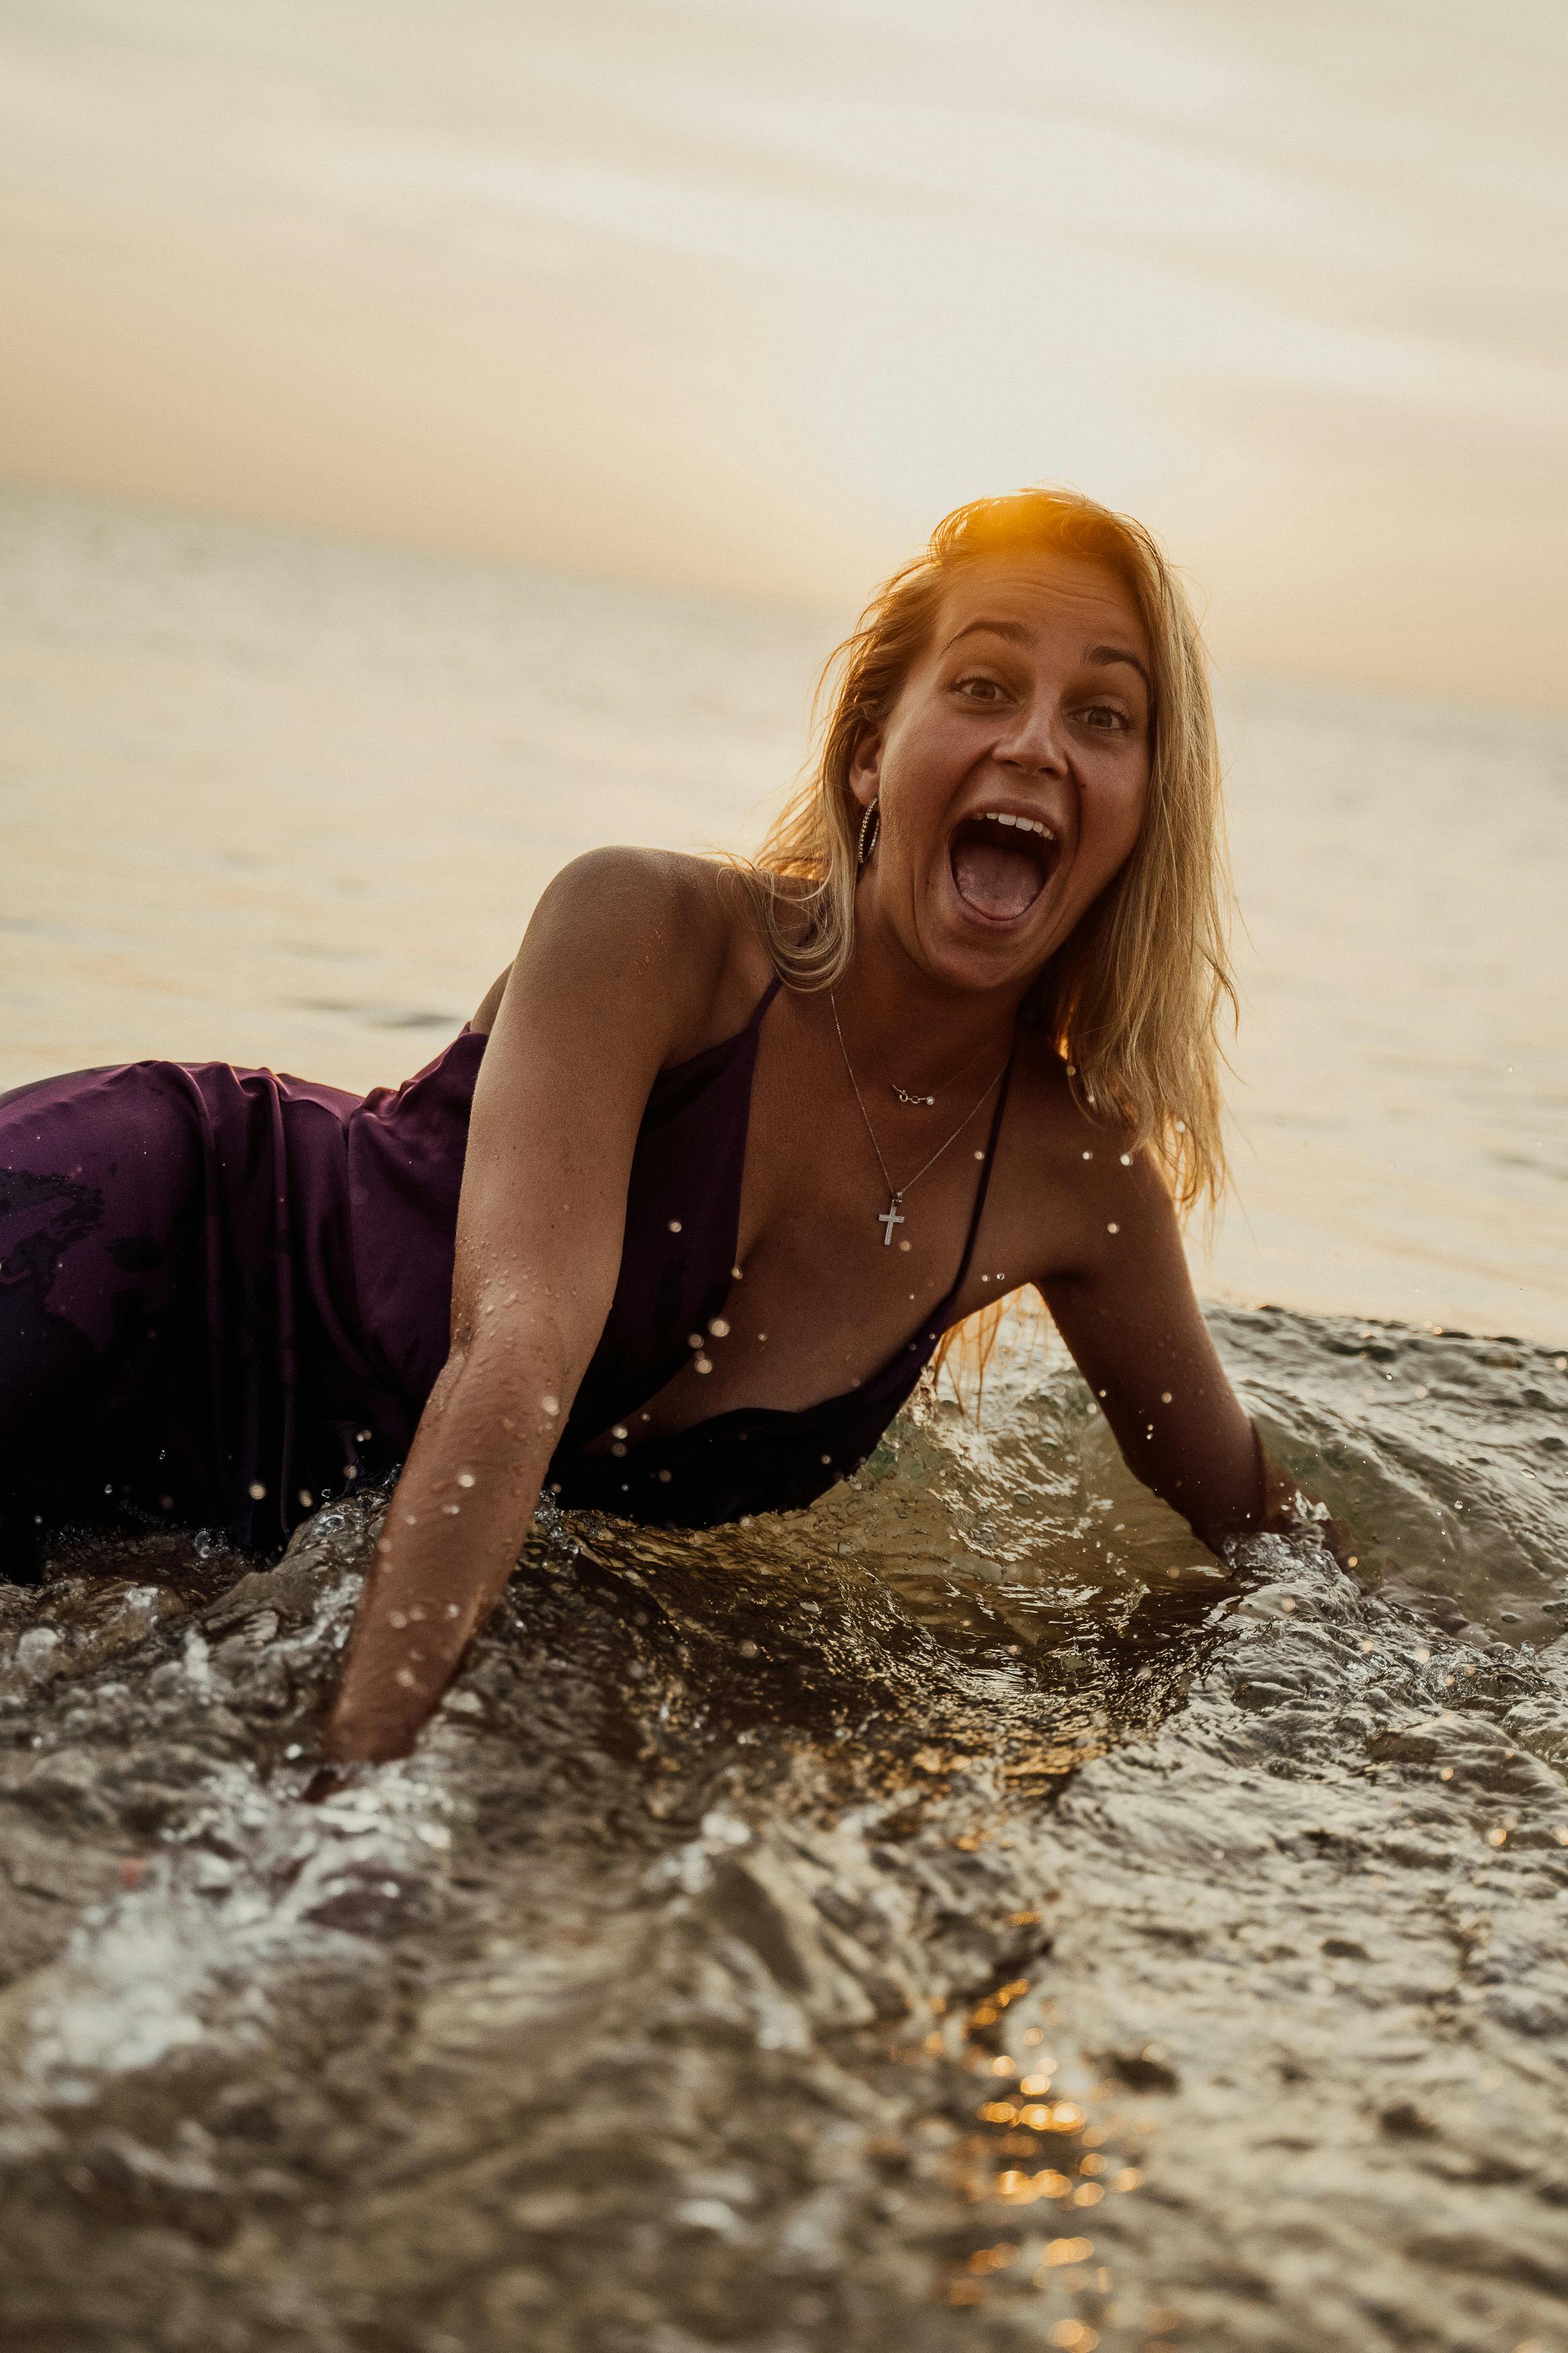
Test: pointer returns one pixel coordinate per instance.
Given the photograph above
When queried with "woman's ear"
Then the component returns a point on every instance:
(866, 769)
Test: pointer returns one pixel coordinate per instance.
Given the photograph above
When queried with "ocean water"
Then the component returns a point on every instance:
(963, 1914)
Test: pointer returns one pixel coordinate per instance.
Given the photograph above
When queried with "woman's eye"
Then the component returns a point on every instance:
(1104, 716)
(980, 690)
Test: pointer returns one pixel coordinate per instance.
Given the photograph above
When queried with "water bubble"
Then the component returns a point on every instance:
(1113, 1228)
(675, 1225)
(257, 1491)
(719, 1328)
(466, 1479)
(703, 1365)
(549, 1404)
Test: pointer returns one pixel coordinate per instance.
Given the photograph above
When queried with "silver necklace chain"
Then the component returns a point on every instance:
(925, 1102)
(891, 1216)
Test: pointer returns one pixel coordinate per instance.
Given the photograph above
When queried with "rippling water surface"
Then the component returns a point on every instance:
(963, 1914)
(957, 1916)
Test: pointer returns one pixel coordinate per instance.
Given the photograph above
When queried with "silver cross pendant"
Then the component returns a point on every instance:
(889, 1218)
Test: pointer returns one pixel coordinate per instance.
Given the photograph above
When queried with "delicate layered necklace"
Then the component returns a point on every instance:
(893, 1214)
(925, 1102)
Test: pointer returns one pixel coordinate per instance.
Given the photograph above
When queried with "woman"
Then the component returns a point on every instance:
(675, 1224)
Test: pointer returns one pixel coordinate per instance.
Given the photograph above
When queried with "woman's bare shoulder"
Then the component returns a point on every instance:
(1077, 1172)
(656, 918)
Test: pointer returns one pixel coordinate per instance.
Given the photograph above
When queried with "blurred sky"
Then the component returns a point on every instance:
(746, 292)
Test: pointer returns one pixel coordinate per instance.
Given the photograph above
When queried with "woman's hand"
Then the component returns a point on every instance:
(1289, 1510)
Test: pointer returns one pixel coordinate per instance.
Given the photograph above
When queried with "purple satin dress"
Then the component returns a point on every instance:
(225, 1296)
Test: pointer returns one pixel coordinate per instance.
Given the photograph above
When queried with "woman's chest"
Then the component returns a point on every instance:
(849, 1245)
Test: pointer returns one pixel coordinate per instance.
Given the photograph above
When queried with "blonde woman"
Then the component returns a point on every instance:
(674, 1228)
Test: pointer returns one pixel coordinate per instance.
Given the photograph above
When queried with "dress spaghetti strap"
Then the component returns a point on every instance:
(985, 1185)
(763, 1004)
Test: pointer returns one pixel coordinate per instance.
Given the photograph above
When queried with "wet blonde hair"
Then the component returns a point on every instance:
(1131, 1000)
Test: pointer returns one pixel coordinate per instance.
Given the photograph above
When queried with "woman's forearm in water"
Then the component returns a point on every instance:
(450, 1542)
(1282, 1507)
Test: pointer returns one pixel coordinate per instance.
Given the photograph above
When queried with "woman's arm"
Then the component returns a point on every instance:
(619, 966)
(1129, 1315)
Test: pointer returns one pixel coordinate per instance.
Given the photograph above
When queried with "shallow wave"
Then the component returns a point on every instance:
(962, 1915)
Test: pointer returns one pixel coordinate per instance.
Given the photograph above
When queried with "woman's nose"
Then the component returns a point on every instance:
(1034, 741)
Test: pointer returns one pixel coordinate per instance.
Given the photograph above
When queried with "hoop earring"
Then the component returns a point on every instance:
(871, 819)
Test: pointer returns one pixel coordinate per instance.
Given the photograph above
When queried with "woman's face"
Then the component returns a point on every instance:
(1013, 770)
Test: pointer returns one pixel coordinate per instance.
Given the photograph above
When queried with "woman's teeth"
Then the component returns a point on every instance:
(1023, 824)
(1000, 863)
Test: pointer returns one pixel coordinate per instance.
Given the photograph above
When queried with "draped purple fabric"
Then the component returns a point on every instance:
(225, 1294)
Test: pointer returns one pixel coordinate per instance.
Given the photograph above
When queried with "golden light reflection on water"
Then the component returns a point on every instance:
(1086, 2137)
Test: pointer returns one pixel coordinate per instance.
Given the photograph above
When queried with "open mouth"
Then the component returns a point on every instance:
(1001, 863)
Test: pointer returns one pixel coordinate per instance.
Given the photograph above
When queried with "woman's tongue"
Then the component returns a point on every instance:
(995, 878)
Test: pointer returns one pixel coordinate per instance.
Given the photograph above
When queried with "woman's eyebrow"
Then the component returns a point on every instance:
(1121, 654)
(1013, 630)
